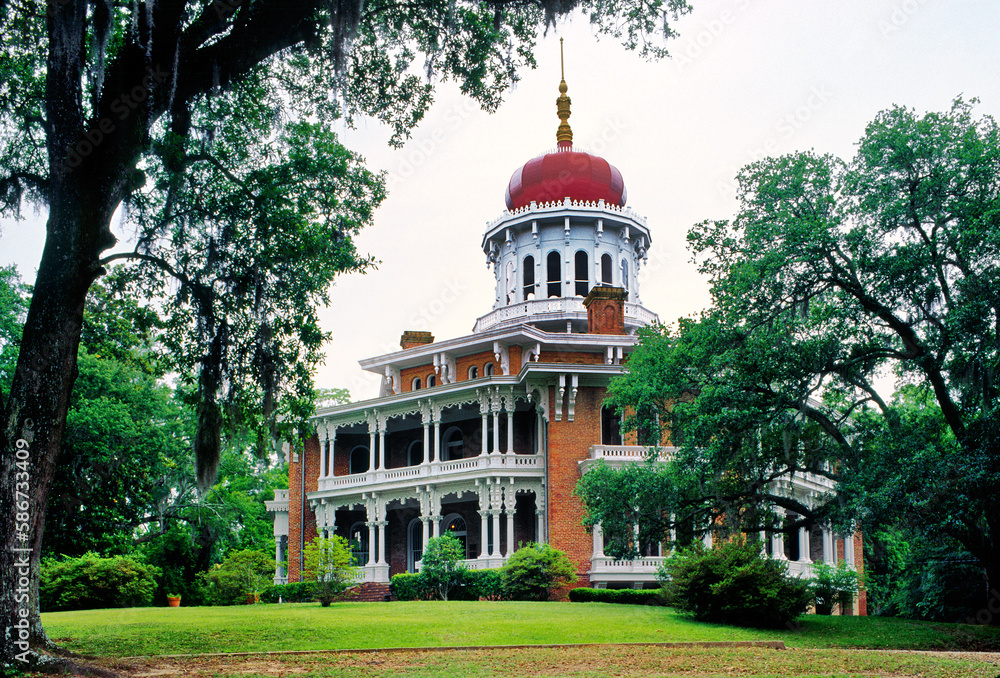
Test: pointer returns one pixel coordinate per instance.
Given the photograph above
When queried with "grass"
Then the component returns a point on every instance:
(259, 628)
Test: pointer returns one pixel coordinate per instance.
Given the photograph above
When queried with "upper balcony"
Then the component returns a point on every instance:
(458, 470)
(566, 309)
(619, 455)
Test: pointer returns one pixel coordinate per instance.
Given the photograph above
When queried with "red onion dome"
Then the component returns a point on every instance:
(566, 173)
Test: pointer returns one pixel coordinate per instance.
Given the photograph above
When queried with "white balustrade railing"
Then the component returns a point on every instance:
(538, 309)
(607, 564)
(627, 453)
(440, 470)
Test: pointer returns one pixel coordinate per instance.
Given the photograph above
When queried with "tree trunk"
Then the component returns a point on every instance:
(35, 417)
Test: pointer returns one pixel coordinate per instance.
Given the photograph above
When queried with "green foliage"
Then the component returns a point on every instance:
(534, 570)
(329, 564)
(240, 577)
(297, 592)
(644, 497)
(122, 431)
(833, 585)
(832, 274)
(488, 584)
(909, 576)
(14, 297)
(440, 565)
(617, 596)
(732, 583)
(93, 582)
(411, 586)
(174, 553)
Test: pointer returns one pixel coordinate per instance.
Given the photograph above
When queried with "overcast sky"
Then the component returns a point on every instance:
(747, 78)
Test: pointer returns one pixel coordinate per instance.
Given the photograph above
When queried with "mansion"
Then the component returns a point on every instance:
(486, 435)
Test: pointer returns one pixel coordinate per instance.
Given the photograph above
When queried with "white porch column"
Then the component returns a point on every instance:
(598, 541)
(804, 556)
(425, 522)
(486, 433)
(540, 527)
(510, 530)
(427, 444)
(495, 546)
(777, 546)
(484, 531)
(509, 403)
(381, 541)
(436, 522)
(707, 539)
(324, 451)
(372, 426)
(437, 443)
(849, 549)
(496, 428)
(371, 543)
(829, 546)
(380, 459)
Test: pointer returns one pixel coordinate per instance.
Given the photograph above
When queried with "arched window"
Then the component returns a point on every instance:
(582, 275)
(359, 542)
(359, 459)
(473, 372)
(511, 284)
(453, 446)
(606, 270)
(553, 264)
(611, 433)
(625, 274)
(416, 384)
(488, 369)
(528, 274)
(415, 453)
(431, 380)
(455, 524)
(415, 544)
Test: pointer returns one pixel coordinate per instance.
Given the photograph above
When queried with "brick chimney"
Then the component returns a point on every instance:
(413, 338)
(606, 310)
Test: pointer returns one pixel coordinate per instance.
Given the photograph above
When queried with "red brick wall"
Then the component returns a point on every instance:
(479, 360)
(569, 442)
(575, 357)
(310, 458)
(406, 376)
(514, 353)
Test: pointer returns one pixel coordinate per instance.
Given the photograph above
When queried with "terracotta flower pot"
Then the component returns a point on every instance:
(173, 601)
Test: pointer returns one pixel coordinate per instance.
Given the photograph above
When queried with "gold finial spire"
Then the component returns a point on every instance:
(564, 135)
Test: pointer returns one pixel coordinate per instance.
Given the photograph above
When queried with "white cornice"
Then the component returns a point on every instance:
(483, 341)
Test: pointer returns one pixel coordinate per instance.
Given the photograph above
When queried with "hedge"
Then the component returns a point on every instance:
(298, 592)
(90, 582)
(619, 596)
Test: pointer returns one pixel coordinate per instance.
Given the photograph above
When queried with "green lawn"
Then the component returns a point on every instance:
(157, 631)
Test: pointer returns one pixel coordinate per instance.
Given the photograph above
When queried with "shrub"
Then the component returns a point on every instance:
(328, 566)
(299, 592)
(90, 582)
(833, 586)
(484, 584)
(534, 570)
(240, 577)
(620, 596)
(733, 584)
(411, 586)
(440, 566)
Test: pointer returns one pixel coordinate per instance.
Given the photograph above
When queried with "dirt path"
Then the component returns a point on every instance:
(590, 661)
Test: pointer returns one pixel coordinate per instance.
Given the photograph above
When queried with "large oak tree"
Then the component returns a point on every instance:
(208, 119)
(834, 277)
